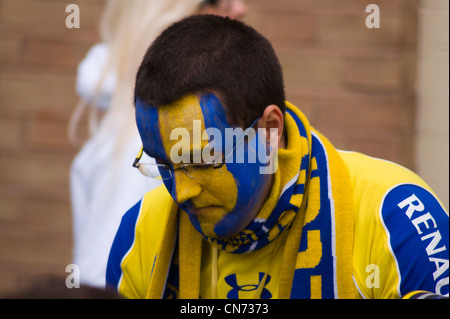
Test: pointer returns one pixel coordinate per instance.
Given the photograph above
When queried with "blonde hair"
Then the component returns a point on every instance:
(128, 27)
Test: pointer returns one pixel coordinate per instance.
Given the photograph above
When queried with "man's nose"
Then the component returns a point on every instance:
(185, 187)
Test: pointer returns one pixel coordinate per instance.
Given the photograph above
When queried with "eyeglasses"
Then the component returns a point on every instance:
(197, 171)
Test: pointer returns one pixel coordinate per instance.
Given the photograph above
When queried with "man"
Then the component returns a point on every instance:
(255, 202)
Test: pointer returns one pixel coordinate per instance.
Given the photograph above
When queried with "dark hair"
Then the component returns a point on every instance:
(209, 53)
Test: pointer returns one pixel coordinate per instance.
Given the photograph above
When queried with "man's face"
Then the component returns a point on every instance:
(219, 206)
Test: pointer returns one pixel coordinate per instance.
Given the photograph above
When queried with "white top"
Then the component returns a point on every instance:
(102, 190)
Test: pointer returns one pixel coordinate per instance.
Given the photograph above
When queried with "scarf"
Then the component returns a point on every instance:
(310, 203)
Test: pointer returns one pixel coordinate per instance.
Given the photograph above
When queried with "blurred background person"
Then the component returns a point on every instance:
(103, 183)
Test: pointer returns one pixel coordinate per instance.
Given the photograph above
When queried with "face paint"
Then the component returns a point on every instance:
(218, 208)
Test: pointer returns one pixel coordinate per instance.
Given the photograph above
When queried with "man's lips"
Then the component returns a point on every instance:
(201, 210)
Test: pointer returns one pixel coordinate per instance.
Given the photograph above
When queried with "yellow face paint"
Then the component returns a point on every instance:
(217, 207)
(207, 200)
(179, 118)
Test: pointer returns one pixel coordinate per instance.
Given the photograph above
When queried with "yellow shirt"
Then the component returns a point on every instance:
(400, 241)
(375, 270)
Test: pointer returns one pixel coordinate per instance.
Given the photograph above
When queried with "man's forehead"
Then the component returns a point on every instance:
(180, 114)
(158, 126)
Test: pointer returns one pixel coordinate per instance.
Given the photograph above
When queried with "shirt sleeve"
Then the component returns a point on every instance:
(401, 238)
(417, 232)
(122, 244)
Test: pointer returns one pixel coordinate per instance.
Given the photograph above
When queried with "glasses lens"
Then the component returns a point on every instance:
(153, 170)
(202, 172)
(164, 171)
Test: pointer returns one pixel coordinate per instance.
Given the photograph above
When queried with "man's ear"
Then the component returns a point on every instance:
(273, 118)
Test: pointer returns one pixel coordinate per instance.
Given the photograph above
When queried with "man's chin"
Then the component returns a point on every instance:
(208, 218)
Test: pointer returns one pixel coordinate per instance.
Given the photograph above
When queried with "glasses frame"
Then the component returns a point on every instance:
(183, 166)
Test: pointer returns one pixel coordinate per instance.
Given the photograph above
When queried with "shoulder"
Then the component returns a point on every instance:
(146, 214)
(416, 225)
(372, 179)
(376, 171)
(135, 245)
(400, 230)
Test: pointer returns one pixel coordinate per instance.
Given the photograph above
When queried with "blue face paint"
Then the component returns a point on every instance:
(243, 185)
(249, 181)
(147, 120)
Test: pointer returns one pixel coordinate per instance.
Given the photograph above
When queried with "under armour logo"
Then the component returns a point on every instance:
(231, 280)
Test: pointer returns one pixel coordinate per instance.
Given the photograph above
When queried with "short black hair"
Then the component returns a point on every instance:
(210, 53)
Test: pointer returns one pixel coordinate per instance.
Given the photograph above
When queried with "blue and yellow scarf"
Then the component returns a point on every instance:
(310, 204)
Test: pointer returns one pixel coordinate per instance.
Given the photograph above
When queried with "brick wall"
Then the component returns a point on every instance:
(38, 59)
(355, 84)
